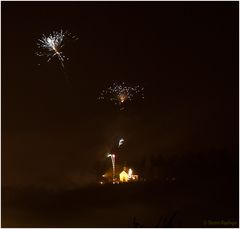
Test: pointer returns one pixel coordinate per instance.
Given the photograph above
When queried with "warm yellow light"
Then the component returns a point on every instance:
(123, 176)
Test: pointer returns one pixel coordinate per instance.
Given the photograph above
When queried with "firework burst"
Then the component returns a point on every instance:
(121, 141)
(120, 93)
(52, 45)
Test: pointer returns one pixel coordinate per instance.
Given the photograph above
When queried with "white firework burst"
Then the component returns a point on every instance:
(51, 45)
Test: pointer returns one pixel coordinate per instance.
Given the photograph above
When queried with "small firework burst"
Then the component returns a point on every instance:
(121, 141)
(52, 45)
(120, 93)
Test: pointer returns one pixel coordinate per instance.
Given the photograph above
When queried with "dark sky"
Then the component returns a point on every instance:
(184, 54)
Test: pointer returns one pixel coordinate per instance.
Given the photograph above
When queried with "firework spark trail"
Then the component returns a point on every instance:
(52, 45)
(121, 141)
(113, 165)
(119, 93)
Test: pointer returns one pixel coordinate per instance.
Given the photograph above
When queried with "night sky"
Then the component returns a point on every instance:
(184, 54)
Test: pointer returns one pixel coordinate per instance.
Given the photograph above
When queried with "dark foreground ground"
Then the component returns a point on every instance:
(193, 203)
